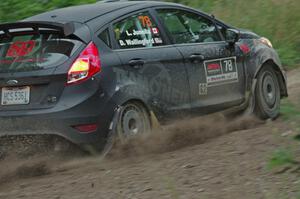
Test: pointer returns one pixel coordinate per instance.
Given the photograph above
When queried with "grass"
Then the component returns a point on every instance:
(289, 111)
(281, 157)
(284, 158)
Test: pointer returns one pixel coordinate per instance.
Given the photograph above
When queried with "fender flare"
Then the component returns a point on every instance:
(120, 99)
(268, 56)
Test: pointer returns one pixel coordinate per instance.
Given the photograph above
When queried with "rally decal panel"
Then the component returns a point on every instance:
(221, 71)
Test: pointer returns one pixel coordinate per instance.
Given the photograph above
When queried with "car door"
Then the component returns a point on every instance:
(150, 69)
(215, 70)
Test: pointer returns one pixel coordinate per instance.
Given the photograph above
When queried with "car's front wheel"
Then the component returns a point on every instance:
(267, 94)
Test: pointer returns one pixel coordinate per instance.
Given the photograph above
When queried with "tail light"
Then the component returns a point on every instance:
(85, 66)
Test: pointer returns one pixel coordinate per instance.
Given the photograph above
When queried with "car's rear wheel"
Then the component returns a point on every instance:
(133, 120)
(267, 94)
(130, 119)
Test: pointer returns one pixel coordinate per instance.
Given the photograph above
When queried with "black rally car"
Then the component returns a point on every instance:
(80, 72)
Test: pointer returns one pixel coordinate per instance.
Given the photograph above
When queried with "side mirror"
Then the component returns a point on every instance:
(232, 36)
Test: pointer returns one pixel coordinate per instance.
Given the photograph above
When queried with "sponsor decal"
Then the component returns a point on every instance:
(202, 89)
(158, 84)
(221, 71)
(20, 48)
(214, 68)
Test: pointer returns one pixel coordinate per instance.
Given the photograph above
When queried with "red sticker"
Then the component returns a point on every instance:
(20, 48)
(213, 66)
(155, 31)
(245, 48)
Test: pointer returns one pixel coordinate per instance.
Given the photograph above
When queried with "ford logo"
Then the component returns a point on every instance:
(12, 82)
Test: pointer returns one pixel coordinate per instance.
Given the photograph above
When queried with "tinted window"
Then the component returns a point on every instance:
(137, 31)
(30, 52)
(186, 27)
(104, 36)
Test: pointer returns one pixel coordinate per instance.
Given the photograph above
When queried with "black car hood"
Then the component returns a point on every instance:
(247, 34)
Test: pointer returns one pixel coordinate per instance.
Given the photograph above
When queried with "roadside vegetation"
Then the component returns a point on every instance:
(285, 160)
(277, 20)
(290, 114)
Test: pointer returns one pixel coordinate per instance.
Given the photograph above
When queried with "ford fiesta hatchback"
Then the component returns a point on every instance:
(83, 72)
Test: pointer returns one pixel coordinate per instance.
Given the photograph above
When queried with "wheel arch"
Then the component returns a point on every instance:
(152, 115)
(279, 73)
(137, 101)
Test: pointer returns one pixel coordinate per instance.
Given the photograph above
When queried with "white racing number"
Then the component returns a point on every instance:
(228, 65)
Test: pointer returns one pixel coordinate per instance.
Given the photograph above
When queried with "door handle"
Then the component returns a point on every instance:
(136, 63)
(196, 58)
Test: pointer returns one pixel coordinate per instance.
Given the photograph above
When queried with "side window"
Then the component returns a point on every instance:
(187, 27)
(137, 31)
(104, 36)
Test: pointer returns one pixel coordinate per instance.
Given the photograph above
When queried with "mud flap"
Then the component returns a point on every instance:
(247, 108)
(251, 100)
(110, 137)
(112, 132)
(154, 121)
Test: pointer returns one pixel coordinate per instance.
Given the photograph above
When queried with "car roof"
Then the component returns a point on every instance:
(88, 12)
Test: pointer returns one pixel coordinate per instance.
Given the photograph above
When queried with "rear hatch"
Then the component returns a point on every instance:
(30, 55)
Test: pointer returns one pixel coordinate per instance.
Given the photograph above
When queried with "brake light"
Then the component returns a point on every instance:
(85, 66)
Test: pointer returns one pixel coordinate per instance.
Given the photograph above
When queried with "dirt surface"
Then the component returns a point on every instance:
(210, 157)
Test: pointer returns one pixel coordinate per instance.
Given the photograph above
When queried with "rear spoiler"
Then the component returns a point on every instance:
(65, 28)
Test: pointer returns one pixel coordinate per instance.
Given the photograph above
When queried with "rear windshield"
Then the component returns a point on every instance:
(29, 52)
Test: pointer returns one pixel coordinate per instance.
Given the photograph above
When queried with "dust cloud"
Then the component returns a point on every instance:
(180, 134)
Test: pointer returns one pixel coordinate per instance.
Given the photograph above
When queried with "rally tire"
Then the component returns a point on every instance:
(267, 94)
(133, 119)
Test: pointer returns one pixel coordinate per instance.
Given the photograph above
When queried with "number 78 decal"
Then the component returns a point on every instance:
(146, 21)
(228, 65)
(221, 71)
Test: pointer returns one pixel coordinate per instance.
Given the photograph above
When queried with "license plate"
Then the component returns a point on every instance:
(15, 96)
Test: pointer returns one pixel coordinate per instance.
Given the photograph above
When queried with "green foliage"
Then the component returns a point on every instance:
(281, 157)
(297, 137)
(289, 111)
(298, 195)
(278, 20)
(11, 10)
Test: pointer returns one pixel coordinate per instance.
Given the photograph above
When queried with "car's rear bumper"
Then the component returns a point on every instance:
(44, 126)
(61, 123)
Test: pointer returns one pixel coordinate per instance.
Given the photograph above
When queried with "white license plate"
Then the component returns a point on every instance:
(15, 96)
